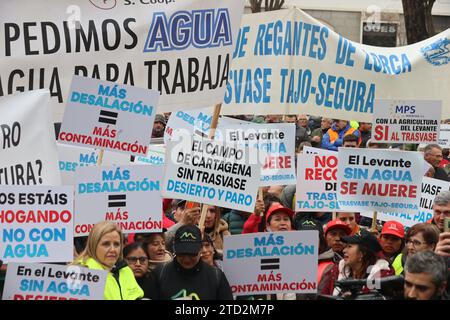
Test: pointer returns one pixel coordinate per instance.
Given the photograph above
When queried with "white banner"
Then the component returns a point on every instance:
(317, 181)
(414, 121)
(379, 180)
(127, 195)
(430, 189)
(444, 136)
(109, 116)
(26, 281)
(27, 140)
(211, 172)
(183, 49)
(287, 62)
(36, 224)
(277, 262)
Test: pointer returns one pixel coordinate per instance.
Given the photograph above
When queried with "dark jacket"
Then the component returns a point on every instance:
(440, 174)
(235, 220)
(202, 282)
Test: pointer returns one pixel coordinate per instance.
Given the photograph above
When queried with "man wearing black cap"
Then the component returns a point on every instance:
(159, 126)
(187, 277)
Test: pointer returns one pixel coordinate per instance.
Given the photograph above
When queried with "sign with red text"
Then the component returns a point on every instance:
(379, 180)
(127, 195)
(275, 143)
(317, 181)
(36, 224)
(276, 262)
(430, 189)
(105, 115)
(28, 153)
(406, 121)
(32, 281)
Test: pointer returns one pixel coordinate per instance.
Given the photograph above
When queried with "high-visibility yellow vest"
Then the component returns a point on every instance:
(126, 289)
(397, 264)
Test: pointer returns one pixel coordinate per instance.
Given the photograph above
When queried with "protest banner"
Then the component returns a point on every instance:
(406, 121)
(27, 140)
(36, 224)
(287, 62)
(182, 49)
(127, 195)
(33, 281)
(197, 121)
(275, 146)
(155, 156)
(379, 180)
(317, 181)
(430, 189)
(277, 262)
(444, 136)
(211, 172)
(105, 115)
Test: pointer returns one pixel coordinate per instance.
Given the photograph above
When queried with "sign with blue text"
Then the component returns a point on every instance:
(105, 115)
(274, 262)
(211, 172)
(287, 62)
(32, 281)
(127, 195)
(36, 224)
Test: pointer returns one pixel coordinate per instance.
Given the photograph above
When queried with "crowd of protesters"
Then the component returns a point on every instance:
(185, 262)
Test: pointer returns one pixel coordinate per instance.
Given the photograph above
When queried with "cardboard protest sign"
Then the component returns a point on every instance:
(32, 281)
(27, 140)
(155, 156)
(36, 224)
(106, 115)
(72, 157)
(379, 180)
(275, 146)
(406, 121)
(211, 172)
(287, 62)
(317, 181)
(444, 136)
(196, 121)
(182, 49)
(127, 195)
(430, 189)
(277, 262)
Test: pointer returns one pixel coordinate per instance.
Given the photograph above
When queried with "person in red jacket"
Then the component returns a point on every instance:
(256, 221)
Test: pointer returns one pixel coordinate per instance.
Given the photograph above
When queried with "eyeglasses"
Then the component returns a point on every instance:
(415, 243)
(134, 260)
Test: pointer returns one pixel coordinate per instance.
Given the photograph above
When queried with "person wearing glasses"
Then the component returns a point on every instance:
(138, 260)
(420, 237)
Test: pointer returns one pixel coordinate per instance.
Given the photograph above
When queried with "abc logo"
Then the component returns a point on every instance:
(405, 109)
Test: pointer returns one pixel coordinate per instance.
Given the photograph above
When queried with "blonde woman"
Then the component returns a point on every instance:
(104, 252)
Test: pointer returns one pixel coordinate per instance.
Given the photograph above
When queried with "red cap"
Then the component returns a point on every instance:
(277, 207)
(395, 228)
(338, 224)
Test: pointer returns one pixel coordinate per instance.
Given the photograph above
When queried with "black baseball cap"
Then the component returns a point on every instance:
(188, 240)
(364, 238)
